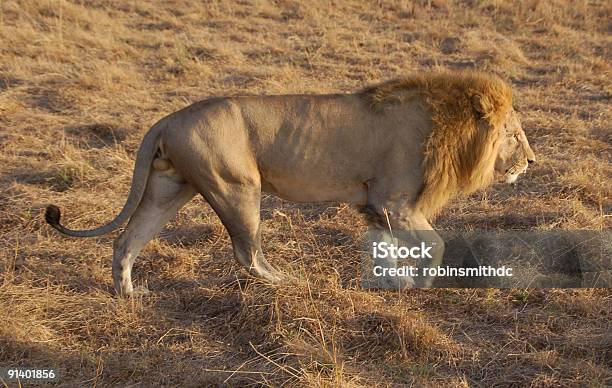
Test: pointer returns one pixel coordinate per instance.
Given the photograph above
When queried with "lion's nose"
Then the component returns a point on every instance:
(530, 161)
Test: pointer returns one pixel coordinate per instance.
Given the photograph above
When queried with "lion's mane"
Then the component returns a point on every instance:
(466, 110)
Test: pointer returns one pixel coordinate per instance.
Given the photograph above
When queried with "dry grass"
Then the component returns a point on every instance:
(81, 81)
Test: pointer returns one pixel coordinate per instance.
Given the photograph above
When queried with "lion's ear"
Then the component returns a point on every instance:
(484, 106)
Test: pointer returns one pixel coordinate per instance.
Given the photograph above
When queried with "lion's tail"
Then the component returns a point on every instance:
(144, 158)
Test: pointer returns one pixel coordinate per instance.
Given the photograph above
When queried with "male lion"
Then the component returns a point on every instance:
(398, 150)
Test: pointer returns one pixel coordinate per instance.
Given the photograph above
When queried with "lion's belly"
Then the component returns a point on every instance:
(302, 189)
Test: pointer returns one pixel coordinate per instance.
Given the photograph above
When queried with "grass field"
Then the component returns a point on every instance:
(80, 83)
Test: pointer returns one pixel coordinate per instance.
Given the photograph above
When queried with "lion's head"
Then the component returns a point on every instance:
(475, 132)
(514, 154)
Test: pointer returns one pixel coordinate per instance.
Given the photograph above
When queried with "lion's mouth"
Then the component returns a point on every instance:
(512, 174)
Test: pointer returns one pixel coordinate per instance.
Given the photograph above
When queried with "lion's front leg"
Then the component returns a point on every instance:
(414, 231)
(378, 274)
(416, 246)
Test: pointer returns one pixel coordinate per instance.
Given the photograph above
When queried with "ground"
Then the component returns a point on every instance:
(81, 82)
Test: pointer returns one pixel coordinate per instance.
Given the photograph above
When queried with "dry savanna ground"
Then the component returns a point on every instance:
(82, 80)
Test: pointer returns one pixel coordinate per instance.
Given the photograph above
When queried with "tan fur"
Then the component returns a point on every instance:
(398, 150)
(460, 151)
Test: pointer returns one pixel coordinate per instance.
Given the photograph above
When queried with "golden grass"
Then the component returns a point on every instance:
(81, 81)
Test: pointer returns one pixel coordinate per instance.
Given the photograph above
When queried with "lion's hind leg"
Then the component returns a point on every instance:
(238, 207)
(165, 195)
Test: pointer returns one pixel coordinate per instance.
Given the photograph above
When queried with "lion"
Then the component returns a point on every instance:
(398, 151)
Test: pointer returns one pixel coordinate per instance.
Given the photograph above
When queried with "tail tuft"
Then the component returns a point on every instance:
(52, 215)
